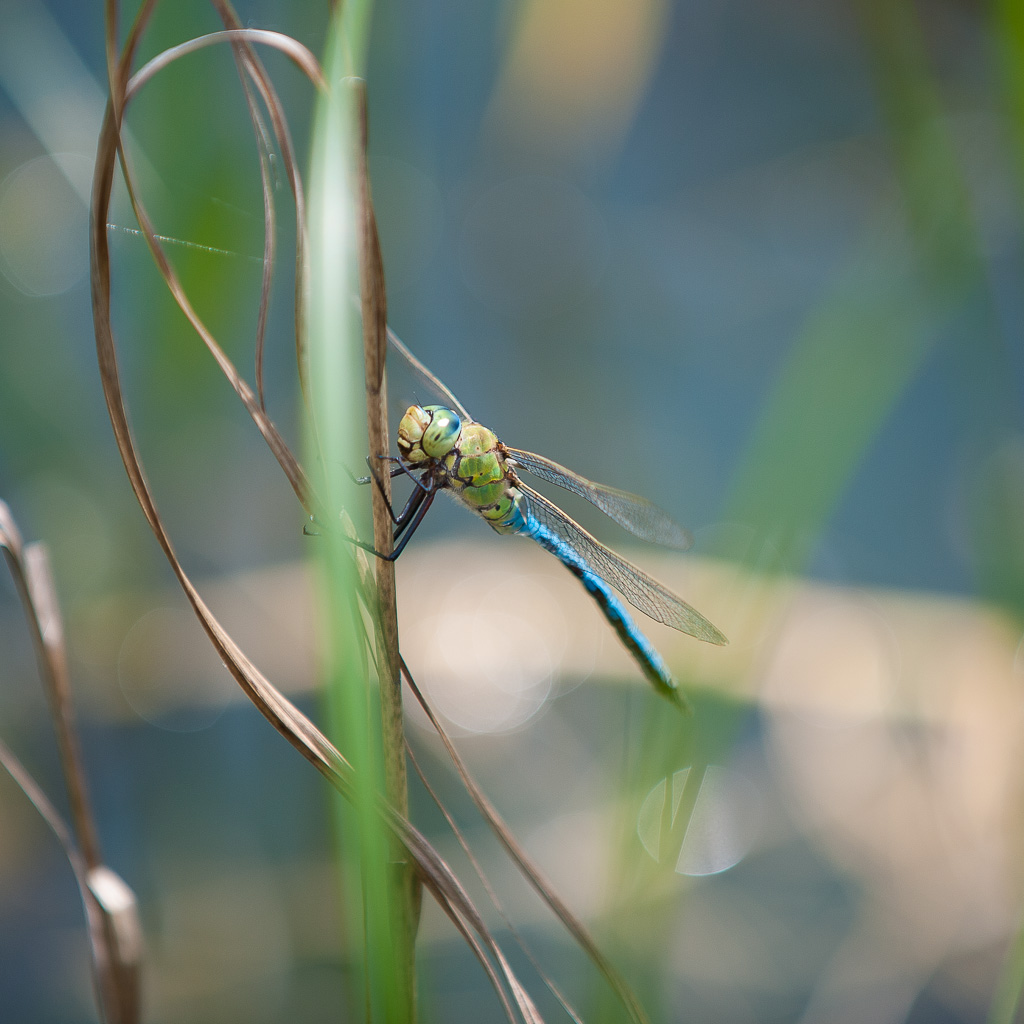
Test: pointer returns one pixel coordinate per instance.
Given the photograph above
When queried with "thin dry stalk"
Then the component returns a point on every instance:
(492, 894)
(528, 869)
(373, 295)
(377, 594)
(284, 716)
(110, 908)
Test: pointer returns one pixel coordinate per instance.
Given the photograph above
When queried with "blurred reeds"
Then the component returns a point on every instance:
(377, 846)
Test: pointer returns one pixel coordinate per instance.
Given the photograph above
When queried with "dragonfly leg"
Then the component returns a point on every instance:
(406, 522)
(415, 498)
(408, 526)
(399, 469)
(408, 514)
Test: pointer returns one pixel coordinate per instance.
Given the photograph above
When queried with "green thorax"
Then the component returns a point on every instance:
(479, 476)
(470, 457)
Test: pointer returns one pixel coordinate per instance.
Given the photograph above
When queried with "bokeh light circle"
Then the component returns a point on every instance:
(170, 674)
(488, 651)
(721, 827)
(44, 224)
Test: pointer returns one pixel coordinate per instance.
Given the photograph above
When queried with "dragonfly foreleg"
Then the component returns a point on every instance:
(411, 517)
(406, 521)
(421, 491)
(397, 471)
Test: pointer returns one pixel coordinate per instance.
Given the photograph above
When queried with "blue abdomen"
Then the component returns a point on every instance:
(643, 651)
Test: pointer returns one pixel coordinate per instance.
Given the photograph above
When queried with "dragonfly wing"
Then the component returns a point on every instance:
(640, 590)
(432, 380)
(638, 515)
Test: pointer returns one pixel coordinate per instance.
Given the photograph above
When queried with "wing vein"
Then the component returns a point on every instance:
(638, 515)
(643, 592)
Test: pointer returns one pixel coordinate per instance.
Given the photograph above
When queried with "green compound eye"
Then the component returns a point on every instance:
(443, 433)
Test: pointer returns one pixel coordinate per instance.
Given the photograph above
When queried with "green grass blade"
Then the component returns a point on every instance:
(379, 985)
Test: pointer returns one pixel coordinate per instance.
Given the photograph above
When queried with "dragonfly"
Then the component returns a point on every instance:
(442, 448)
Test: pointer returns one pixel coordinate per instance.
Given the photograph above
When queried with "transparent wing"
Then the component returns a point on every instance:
(639, 589)
(432, 380)
(638, 515)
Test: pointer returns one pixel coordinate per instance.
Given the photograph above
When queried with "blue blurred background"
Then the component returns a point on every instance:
(759, 261)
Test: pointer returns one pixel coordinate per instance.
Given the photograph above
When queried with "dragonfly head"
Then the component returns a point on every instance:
(428, 432)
